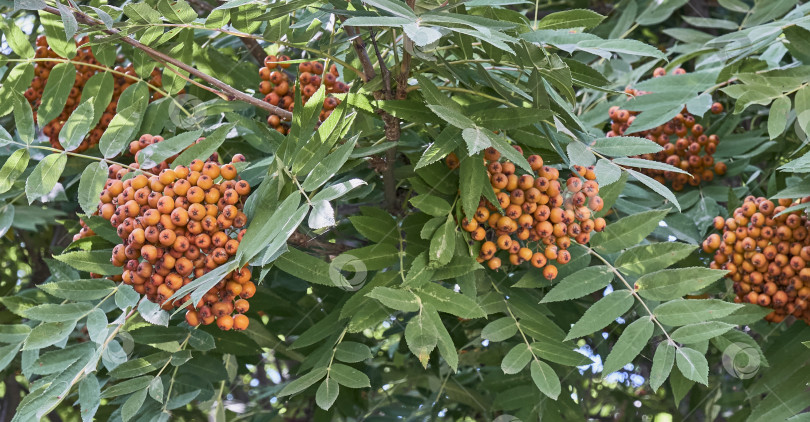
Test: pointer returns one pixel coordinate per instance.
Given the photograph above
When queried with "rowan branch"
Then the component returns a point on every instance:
(228, 92)
(362, 54)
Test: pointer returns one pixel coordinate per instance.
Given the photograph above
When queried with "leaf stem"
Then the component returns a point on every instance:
(75, 154)
(633, 292)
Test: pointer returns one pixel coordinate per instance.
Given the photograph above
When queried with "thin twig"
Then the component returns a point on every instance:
(227, 92)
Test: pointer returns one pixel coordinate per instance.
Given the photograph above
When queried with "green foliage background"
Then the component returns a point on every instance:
(414, 328)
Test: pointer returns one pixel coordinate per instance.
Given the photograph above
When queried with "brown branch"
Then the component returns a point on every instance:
(392, 133)
(362, 54)
(405, 66)
(228, 92)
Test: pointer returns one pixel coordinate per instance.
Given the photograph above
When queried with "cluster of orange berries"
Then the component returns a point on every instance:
(176, 226)
(278, 90)
(144, 141)
(685, 144)
(542, 214)
(84, 72)
(766, 251)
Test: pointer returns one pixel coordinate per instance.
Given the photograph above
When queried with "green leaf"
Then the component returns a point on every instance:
(337, 190)
(349, 377)
(326, 169)
(351, 352)
(393, 7)
(710, 23)
(431, 205)
(14, 333)
(452, 116)
(545, 379)
(796, 35)
(68, 20)
(512, 118)
(18, 80)
(322, 215)
(154, 154)
(133, 404)
(77, 126)
(628, 231)
(91, 184)
(443, 242)
(672, 284)
(401, 300)
(624, 46)
(89, 396)
(516, 359)
(204, 148)
(472, 180)
(419, 273)
(701, 331)
(558, 352)
(46, 334)
(579, 154)
(122, 128)
(656, 186)
(383, 21)
(747, 314)
(91, 261)
(580, 283)
(24, 119)
(602, 313)
(445, 343)
(43, 178)
(573, 18)
(302, 383)
(421, 35)
(8, 353)
(56, 92)
(690, 311)
(693, 365)
(510, 153)
(140, 366)
(647, 164)
(125, 297)
(477, 139)
(422, 337)
(802, 104)
(17, 39)
(448, 301)
(141, 12)
(662, 363)
(376, 229)
(6, 218)
(499, 330)
(14, 166)
(327, 393)
(777, 116)
(312, 269)
(265, 225)
(645, 259)
(126, 387)
(653, 117)
(51, 312)
(100, 89)
(177, 11)
(446, 142)
(629, 345)
(625, 146)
